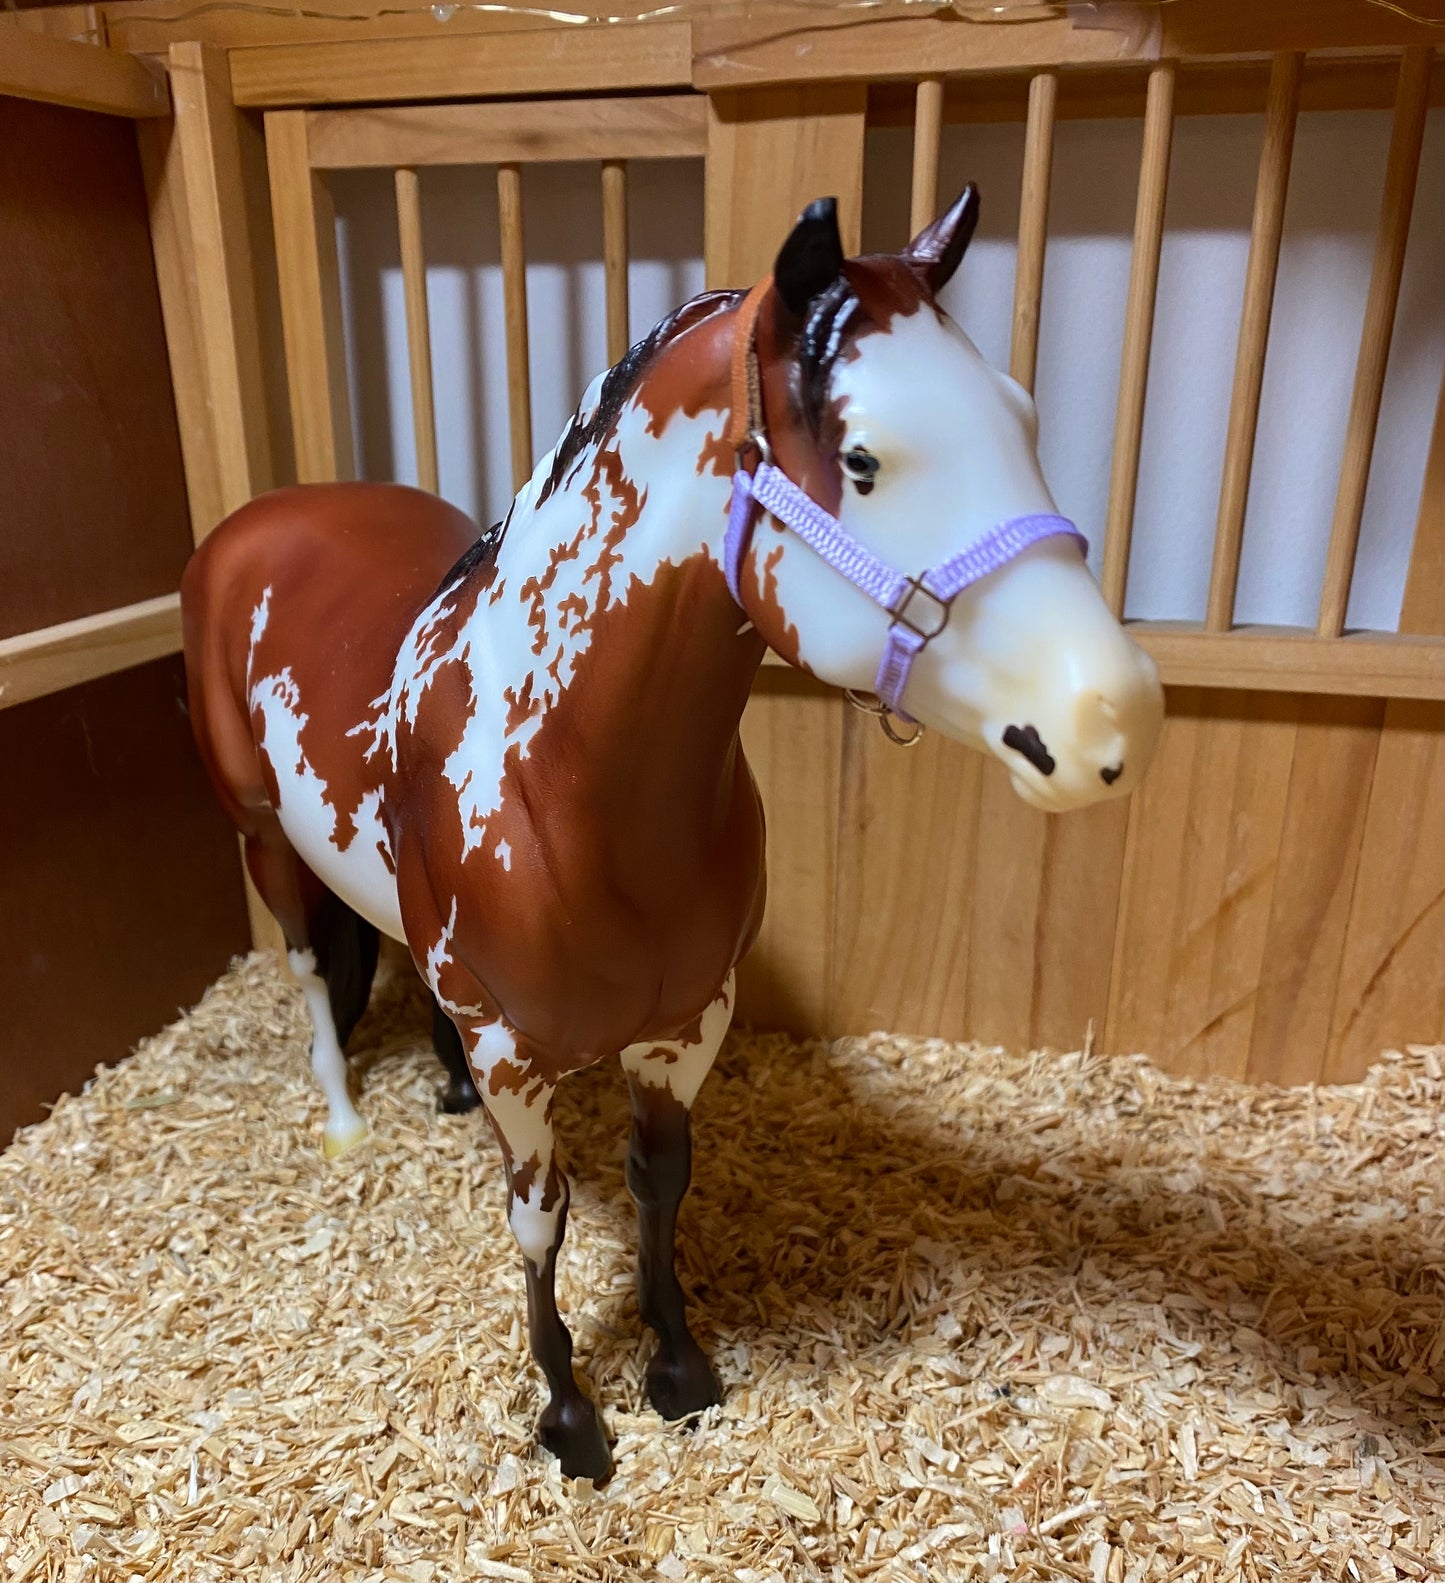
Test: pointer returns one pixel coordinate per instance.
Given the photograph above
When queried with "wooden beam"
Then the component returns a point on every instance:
(795, 45)
(1292, 660)
(498, 66)
(71, 652)
(662, 126)
(1287, 660)
(514, 296)
(80, 76)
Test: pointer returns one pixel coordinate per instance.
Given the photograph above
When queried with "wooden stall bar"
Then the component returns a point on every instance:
(1402, 169)
(614, 256)
(1033, 226)
(514, 288)
(1138, 331)
(1273, 187)
(418, 325)
(927, 137)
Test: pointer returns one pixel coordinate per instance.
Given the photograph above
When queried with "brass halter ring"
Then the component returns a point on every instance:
(884, 716)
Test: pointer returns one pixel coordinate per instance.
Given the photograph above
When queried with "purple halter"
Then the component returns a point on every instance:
(920, 606)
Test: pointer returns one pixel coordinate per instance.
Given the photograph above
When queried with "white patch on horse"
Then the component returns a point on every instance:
(504, 855)
(554, 596)
(524, 1118)
(440, 957)
(681, 1068)
(359, 875)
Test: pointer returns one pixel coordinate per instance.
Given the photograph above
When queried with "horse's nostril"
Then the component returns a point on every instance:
(1026, 740)
(1110, 773)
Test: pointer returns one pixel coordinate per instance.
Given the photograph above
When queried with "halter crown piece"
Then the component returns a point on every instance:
(920, 605)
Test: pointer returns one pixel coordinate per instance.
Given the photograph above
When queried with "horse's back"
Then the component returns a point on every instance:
(293, 610)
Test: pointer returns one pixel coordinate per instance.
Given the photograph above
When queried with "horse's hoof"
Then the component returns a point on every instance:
(343, 1138)
(682, 1383)
(456, 1099)
(572, 1432)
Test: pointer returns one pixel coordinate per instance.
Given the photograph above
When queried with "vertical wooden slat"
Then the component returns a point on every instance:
(1402, 168)
(1138, 331)
(927, 137)
(1281, 114)
(614, 257)
(310, 303)
(1033, 226)
(514, 291)
(1391, 982)
(418, 326)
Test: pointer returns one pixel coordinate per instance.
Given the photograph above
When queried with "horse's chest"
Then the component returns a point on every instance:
(586, 932)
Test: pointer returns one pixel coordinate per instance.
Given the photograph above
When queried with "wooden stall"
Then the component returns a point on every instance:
(1269, 904)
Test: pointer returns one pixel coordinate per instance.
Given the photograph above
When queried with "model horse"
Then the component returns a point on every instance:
(519, 752)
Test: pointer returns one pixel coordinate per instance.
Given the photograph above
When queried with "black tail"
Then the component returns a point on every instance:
(346, 949)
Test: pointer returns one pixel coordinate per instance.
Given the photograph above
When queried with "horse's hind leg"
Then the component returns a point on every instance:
(460, 1094)
(663, 1078)
(332, 953)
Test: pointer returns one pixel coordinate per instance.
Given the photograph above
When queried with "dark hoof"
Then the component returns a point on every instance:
(682, 1383)
(457, 1098)
(572, 1432)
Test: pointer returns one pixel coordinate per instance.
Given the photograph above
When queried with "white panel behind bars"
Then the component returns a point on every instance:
(1324, 272)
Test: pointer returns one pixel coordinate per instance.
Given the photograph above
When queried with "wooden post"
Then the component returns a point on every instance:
(514, 290)
(310, 303)
(1138, 331)
(418, 326)
(1269, 200)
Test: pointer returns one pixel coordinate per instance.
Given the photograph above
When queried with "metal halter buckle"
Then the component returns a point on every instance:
(880, 711)
(913, 590)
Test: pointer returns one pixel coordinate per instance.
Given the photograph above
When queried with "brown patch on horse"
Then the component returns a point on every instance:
(634, 830)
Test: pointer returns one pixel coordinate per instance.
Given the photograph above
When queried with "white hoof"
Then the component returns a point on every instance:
(342, 1135)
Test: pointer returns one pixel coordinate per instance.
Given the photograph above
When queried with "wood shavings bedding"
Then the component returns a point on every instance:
(975, 1313)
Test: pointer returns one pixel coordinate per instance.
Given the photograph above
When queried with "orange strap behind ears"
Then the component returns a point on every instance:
(747, 415)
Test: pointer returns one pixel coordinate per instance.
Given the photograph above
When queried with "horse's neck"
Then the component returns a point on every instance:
(606, 603)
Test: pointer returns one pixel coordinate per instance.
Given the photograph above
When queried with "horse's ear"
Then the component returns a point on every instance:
(812, 257)
(938, 249)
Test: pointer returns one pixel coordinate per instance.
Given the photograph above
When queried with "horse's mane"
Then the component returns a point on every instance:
(622, 379)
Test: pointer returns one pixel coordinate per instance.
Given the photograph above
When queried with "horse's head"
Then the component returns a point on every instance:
(878, 406)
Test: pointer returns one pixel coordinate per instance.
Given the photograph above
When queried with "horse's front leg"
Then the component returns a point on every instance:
(519, 1107)
(664, 1078)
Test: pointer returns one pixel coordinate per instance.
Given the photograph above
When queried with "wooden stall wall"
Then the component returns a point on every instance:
(120, 895)
(1269, 905)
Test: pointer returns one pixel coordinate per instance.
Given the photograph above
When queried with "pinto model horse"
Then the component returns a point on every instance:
(519, 752)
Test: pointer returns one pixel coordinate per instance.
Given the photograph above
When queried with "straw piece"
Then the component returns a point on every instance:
(975, 1314)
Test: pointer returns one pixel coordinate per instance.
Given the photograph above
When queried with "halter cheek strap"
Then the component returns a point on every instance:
(920, 605)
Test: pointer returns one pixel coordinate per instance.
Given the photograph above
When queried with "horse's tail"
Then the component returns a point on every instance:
(218, 583)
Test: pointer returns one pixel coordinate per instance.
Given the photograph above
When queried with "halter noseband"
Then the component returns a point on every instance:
(920, 606)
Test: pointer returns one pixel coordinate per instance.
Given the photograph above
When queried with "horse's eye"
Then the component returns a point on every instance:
(861, 466)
